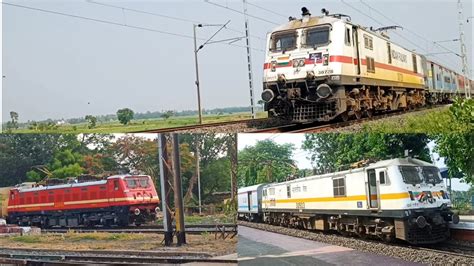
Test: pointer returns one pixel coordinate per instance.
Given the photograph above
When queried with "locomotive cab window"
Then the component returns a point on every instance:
(382, 178)
(116, 185)
(339, 187)
(282, 42)
(318, 36)
(389, 50)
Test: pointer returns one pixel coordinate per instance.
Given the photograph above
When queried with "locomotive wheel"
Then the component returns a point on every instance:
(344, 117)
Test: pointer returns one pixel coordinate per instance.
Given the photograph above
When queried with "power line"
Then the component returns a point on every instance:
(240, 12)
(380, 23)
(268, 10)
(115, 23)
(161, 15)
(412, 32)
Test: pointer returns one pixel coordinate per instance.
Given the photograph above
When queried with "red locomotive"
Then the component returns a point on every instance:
(119, 200)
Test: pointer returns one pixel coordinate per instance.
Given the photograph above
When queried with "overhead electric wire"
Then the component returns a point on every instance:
(164, 16)
(401, 36)
(116, 23)
(412, 32)
(240, 12)
(265, 9)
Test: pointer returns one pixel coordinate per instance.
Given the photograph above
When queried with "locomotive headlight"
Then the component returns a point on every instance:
(298, 63)
(323, 91)
(157, 209)
(136, 211)
(268, 95)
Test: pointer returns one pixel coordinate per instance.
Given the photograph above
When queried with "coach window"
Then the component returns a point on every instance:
(370, 64)
(288, 191)
(389, 50)
(415, 65)
(348, 37)
(368, 42)
(271, 191)
(265, 192)
(339, 186)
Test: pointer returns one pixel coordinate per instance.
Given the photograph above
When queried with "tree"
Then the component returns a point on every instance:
(458, 151)
(125, 115)
(19, 152)
(91, 120)
(332, 151)
(167, 114)
(265, 162)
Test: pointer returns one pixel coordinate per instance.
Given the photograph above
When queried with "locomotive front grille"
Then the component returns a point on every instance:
(313, 111)
(427, 235)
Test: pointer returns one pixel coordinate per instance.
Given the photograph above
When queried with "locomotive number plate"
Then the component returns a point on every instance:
(325, 72)
(300, 205)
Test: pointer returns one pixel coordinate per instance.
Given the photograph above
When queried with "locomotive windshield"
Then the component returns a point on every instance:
(431, 175)
(410, 174)
(317, 37)
(136, 182)
(417, 175)
(283, 41)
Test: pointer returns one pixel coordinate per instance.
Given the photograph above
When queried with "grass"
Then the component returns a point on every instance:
(72, 236)
(430, 122)
(142, 125)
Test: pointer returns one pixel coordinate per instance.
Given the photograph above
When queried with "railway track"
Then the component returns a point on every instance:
(190, 229)
(249, 122)
(319, 127)
(52, 257)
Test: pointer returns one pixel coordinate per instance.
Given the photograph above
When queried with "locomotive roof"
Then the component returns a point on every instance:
(71, 185)
(250, 188)
(318, 20)
(379, 164)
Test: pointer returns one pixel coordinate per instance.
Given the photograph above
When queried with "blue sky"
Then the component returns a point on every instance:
(62, 67)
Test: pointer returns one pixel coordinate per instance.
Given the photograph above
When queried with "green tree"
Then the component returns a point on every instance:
(64, 164)
(19, 152)
(91, 121)
(265, 162)
(331, 151)
(125, 115)
(167, 114)
(458, 151)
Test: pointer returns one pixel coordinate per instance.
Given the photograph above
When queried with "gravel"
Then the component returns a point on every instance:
(407, 253)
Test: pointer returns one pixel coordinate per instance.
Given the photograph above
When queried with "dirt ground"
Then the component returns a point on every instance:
(205, 243)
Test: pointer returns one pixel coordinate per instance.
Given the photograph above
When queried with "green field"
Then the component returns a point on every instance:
(142, 125)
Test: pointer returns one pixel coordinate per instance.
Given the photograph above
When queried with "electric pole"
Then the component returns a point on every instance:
(178, 193)
(249, 61)
(165, 189)
(465, 66)
(198, 170)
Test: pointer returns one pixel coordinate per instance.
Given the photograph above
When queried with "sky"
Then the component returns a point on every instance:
(58, 66)
(302, 157)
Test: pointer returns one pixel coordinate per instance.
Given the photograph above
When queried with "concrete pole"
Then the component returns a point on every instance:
(197, 73)
(249, 61)
(178, 194)
(164, 177)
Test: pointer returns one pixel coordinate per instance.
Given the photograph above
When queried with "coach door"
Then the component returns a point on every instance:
(373, 195)
(249, 200)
